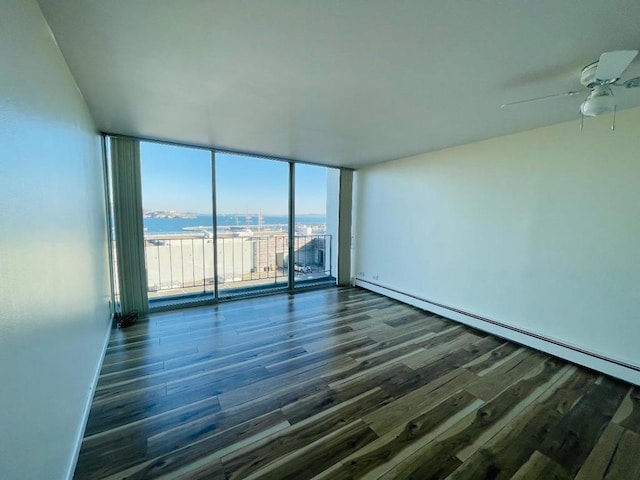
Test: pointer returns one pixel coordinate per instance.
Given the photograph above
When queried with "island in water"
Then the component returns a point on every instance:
(167, 214)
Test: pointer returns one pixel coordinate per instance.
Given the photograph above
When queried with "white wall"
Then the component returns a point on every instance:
(538, 230)
(54, 313)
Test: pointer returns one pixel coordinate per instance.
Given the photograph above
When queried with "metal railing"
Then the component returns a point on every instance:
(184, 263)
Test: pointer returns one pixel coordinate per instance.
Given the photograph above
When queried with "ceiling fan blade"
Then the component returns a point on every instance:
(632, 82)
(566, 94)
(613, 64)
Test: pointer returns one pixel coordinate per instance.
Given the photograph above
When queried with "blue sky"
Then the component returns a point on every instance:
(179, 178)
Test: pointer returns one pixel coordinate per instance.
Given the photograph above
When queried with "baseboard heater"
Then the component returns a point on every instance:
(610, 366)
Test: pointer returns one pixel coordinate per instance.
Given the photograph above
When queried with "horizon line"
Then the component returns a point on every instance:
(235, 214)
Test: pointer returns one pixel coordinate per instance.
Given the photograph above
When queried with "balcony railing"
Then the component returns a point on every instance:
(183, 264)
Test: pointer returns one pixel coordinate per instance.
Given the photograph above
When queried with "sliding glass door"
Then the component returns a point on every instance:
(252, 201)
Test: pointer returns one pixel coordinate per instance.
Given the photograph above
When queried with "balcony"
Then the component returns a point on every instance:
(183, 264)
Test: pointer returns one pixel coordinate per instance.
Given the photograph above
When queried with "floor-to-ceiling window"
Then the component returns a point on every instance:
(177, 210)
(313, 248)
(217, 225)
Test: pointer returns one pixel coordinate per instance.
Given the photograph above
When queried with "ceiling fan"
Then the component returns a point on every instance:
(599, 78)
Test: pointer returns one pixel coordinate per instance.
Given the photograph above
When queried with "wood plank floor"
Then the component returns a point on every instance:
(345, 384)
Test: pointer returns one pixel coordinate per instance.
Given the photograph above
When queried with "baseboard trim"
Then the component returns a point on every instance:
(596, 361)
(87, 407)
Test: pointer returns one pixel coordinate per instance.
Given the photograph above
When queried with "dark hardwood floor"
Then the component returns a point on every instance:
(344, 383)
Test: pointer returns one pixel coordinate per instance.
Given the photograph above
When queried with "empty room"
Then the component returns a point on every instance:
(319, 240)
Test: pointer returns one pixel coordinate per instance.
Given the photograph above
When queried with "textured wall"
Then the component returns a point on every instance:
(54, 312)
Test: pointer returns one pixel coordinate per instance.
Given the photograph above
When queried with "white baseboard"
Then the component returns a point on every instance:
(87, 407)
(614, 367)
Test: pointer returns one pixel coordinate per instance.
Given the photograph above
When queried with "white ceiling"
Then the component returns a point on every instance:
(337, 82)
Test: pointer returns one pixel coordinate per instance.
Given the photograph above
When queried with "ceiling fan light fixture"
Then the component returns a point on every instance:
(599, 101)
